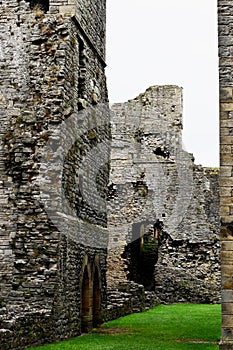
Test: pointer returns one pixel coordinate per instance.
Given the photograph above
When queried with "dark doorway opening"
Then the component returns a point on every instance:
(96, 299)
(141, 255)
(86, 303)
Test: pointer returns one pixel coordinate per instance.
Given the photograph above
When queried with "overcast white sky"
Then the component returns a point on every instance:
(157, 42)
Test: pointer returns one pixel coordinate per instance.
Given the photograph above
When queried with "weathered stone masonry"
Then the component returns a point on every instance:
(163, 209)
(54, 118)
(225, 27)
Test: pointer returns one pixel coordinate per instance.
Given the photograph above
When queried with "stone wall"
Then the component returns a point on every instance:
(188, 270)
(54, 171)
(163, 209)
(129, 297)
(225, 27)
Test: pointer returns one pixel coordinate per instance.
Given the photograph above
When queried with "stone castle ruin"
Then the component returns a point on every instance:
(163, 210)
(92, 229)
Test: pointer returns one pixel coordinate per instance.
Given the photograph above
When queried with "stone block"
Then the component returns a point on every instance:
(226, 191)
(227, 308)
(226, 181)
(226, 93)
(227, 321)
(227, 246)
(227, 140)
(227, 335)
(226, 171)
(227, 283)
(227, 275)
(225, 148)
(226, 159)
(226, 201)
(227, 297)
(226, 106)
(225, 132)
(224, 116)
(226, 61)
(227, 258)
(228, 123)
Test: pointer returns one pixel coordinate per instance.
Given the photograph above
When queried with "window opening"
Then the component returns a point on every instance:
(42, 4)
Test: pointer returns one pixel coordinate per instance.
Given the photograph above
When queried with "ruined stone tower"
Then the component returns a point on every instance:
(163, 209)
(53, 169)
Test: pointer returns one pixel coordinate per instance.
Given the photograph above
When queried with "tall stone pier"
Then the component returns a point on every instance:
(225, 27)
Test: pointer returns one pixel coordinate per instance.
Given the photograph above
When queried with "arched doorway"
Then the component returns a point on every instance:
(141, 255)
(86, 302)
(96, 298)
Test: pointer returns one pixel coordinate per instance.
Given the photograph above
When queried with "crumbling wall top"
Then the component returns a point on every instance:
(89, 15)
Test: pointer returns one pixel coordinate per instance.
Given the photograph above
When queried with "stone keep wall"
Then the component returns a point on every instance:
(225, 27)
(163, 209)
(54, 126)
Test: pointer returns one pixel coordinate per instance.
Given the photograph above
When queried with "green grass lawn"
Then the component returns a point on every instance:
(167, 327)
